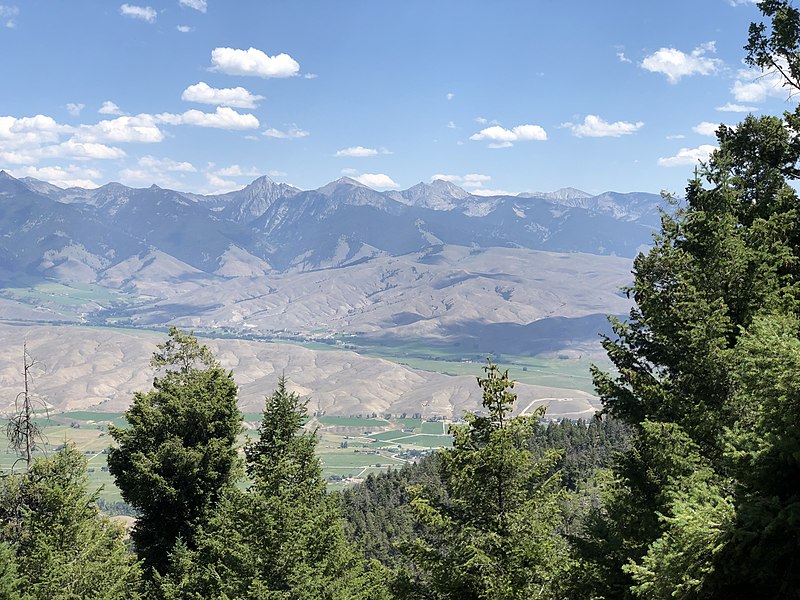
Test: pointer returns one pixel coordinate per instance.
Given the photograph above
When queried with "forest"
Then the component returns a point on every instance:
(685, 485)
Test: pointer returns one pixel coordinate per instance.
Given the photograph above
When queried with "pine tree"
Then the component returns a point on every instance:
(284, 537)
(178, 454)
(494, 536)
(54, 544)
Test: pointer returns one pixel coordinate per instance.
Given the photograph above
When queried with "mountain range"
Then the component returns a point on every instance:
(431, 272)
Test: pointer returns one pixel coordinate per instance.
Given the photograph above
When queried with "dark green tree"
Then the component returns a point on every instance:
(725, 262)
(178, 453)
(54, 544)
(495, 534)
(284, 537)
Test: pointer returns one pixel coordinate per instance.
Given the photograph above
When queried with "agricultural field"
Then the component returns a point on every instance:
(350, 448)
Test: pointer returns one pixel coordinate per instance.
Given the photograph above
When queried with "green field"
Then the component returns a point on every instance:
(344, 449)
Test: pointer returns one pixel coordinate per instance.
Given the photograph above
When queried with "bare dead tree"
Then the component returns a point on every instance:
(24, 434)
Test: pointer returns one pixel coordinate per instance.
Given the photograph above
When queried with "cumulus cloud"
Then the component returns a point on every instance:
(141, 129)
(109, 108)
(200, 5)
(64, 177)
(688, 156)
(223, 118)
(731, 107)
(145, 13)
(706, 128)
(237, 97)
(504, 138)
(253, 62)
(164, 172)
(29, 132)
(82, 150)
(75, 109)
(594, 126)
(377, 180)
(675, 64)
(470, 180)
(293, 133)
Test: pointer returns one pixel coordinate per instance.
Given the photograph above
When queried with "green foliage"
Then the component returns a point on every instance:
(708, 360)
(284, 537)
(494, 535)
(178, 454)
(54, 544)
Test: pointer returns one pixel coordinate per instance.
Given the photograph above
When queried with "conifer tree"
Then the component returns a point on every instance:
(178, 454)
(494, 535)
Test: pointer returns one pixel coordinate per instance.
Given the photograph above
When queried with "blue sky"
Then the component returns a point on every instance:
(496, 96)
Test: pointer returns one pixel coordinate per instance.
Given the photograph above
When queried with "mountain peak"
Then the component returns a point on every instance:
(333, 186)
(566, 193)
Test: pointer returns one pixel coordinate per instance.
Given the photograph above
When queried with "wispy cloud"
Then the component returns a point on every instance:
(200, 5)
(293, 133)
(144, 13)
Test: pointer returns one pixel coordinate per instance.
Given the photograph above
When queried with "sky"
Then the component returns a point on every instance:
(497, 96)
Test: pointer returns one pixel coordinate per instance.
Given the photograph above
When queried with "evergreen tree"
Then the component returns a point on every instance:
(54, 544)
(692, 513)
(178, 454)
(284, 537)
(495, 534)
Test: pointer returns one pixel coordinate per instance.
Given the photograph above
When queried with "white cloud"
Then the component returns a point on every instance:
(184, 28)
(109, 108)
(310, 76)
(7, 14)
(166, 164)
(503, 138)
(688, 156)
(75, 109)
(481, 120)
(237, 171)
(237, 97)
(451, 125)
(82, 150)
(594, 126)
(376, 180)
(223, 118)
(488, 192)
(756, 86)
(470, 180)
(139, 129)
(675, 64)
(450, 96)
(622, 58)
(740, 2)
(357, 152)
(200, 5)
(145, 13)
(277, 174)
(29, 132)
(253, 62)
(676, 136)
(70, 176)
(730, 107)
(218, 185)
(293, 133)
(706, 128)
